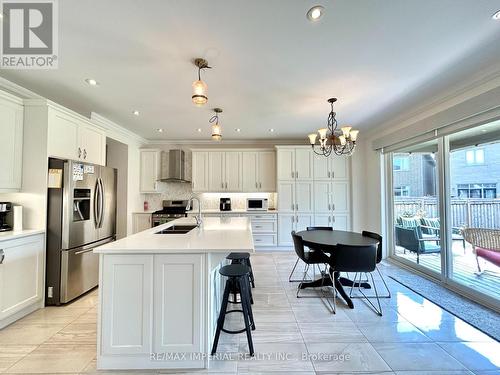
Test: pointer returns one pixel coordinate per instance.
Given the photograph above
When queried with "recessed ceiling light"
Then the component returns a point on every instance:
(136, 112)
(159, 130)
(496, 16)
(315, 13)
(271, 130)
(237, 130)
(92, 82)
(198, 130)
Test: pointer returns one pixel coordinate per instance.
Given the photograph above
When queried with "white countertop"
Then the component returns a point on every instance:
(237, 211)
(215, 235)
(11, 235)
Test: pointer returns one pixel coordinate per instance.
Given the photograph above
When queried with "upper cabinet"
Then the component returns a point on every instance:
(71, 136)
(150, 170)
(11, 152)
(331, 168)
(295, 163)
(234, 171)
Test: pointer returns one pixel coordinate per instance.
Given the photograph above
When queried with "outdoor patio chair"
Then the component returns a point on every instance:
(485, 244)
(432, 227)
(412, 240)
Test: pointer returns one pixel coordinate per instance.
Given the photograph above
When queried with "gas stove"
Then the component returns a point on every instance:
(172, 209)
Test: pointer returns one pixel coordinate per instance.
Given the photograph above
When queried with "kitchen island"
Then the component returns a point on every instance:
(159, 293)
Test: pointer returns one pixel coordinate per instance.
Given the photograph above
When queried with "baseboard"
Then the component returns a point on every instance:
(20, 314)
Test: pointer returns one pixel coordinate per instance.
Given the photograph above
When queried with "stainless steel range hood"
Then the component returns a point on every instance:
(176, 167)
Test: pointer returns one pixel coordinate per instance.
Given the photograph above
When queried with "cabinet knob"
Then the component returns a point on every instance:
(2, 256)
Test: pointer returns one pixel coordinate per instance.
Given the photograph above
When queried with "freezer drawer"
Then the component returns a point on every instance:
(79, 271)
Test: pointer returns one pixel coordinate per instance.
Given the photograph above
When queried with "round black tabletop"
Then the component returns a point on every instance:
(335, 237)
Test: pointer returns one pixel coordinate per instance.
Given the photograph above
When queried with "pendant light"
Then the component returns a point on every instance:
(216, 128)
(200, 88)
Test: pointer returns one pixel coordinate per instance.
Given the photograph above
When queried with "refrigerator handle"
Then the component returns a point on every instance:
(101, 197)
(96, 204)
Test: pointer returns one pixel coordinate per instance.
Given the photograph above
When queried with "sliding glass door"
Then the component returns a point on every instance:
(417, 225)
(444, 206)
(474, 207)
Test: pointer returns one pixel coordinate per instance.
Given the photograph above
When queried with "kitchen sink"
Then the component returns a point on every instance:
(177, 229)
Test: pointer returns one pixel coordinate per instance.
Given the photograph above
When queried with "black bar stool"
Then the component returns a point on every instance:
(237, 282)
(242, 258)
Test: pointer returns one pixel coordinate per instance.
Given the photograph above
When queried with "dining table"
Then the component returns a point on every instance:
(327, 241)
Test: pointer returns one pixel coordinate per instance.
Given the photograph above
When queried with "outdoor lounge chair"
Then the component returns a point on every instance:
(485, 244)
(412, 240)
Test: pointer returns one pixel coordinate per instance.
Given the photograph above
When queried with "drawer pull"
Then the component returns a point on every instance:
(2, 256)
(258, 226)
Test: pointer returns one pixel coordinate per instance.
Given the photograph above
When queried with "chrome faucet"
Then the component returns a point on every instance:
(199, 221)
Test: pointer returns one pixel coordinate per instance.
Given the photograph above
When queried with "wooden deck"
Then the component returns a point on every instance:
(464, 269)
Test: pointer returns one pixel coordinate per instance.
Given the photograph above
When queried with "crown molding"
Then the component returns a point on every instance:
(116, 131)
(208, 142)
(16, 90)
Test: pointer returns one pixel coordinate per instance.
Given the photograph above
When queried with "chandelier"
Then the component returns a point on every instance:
(331, 139)
(216, 129)
(200, 87)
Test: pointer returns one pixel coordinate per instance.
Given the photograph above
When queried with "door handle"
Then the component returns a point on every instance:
(96, 200)
(292, 219)
(256, 185)
(84, 153)
(333, 206)
(79, 152)
(328, 174)
(292, 174)
(226, 185)
(333, 219)
(2, 256)
(103, 210)
(83, 251)
(296, 206)
(296, 174)
(329, 207)
(260, 185)
(222, 185)
(329, 219)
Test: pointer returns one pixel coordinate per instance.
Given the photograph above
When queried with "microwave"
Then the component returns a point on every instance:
(257, 204)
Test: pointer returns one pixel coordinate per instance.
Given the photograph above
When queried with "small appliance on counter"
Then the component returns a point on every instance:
(5, 208)
(257, 204)
(225, 204)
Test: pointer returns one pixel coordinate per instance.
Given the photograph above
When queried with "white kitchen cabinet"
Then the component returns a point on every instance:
(286, 196)
(21, 277)
(331, 168)
(11, 152)
(250, 167)
(304, 196)
(141, 221)
(286, 224)
(92, 143)
(286, 163)
(216, 171)
(150, 170)
(323, 220)
(303, 164)
(322, 196)
(341, 221)
(340, 197)
(70, 136)
(177, 327)
(127, 284)
(302, 221)
(233, 171)
(267, 171)
(200, 176)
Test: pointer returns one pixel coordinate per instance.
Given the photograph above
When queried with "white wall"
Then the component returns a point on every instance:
(117, 157)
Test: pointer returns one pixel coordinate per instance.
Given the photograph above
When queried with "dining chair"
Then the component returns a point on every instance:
(298, 259)
(309, 258)
(377, 237)
(357, 259)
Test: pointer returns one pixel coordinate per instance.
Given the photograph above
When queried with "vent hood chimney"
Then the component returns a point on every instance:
(176, 167)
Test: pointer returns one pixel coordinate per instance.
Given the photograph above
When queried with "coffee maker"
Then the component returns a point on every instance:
(5, 208)
(225, 204)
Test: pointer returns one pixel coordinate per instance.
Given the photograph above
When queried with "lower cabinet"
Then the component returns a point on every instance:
(151, 304)
(140, 222)
(21, 277)
(292, 222)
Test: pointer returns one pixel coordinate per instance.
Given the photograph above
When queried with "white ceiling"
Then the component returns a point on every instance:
(272, 68)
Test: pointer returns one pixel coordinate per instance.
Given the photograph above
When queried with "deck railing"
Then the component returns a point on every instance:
(474, 213)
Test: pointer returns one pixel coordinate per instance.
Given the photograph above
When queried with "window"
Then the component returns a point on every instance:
(474, 156)
(401, 163)
(488, 191)
(402, 191)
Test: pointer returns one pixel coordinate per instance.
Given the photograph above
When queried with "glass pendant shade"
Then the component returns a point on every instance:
(354, 135)
(322, 133)
(312, 138)
(342, 140)
(200, 89)
(216, 132)
(346, 130)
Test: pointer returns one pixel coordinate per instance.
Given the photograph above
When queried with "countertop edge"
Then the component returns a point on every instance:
(12, 235)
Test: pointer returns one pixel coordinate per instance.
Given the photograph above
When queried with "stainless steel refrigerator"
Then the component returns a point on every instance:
(81, 215)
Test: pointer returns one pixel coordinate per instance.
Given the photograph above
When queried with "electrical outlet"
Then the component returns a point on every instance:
(50, 292)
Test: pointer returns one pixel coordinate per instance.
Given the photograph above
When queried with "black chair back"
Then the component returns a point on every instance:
(348, 258)
(299, 246)
(377, 237)
(319, 228)
(407, 238)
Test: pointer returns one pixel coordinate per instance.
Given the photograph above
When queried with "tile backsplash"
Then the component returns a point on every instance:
(209, 201)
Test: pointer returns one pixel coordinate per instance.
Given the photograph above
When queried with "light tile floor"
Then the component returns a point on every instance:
(293, 336)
